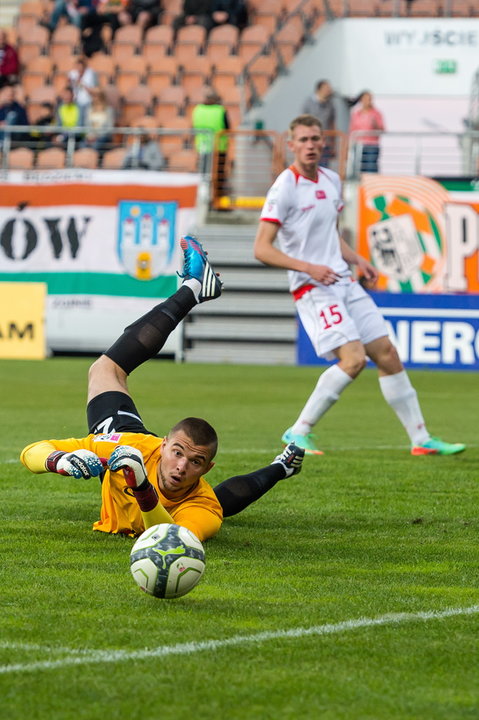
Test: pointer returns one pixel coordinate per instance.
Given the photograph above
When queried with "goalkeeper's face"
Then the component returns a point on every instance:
(182, 463)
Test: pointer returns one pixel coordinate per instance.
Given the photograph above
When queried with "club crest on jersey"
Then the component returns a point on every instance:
(320, 195)
(111, 437)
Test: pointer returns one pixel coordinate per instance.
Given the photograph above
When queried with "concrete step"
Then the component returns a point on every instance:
(253, 278)
(241, 329)
(245, 353)
(238, 304)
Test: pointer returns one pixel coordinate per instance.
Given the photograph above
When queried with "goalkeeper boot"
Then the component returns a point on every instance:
(434, 446)
(303, 441)
(291, 459)
(196, 265)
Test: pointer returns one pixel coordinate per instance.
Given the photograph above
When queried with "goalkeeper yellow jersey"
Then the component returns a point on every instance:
(199, 510)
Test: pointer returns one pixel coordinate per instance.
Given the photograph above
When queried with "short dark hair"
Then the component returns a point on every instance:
(320, 84)
(200, 432)
(306, 119)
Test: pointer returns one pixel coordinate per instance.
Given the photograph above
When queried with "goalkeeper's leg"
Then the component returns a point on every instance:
(236, 493)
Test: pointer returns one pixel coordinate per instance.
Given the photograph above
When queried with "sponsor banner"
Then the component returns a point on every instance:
(22, 320)
(106, 243)
(433, 332)
(422, 237)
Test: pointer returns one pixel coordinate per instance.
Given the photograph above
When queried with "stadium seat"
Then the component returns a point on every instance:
(113, 159)
(173, 144)
(31, 9)
(268, 13)
(161, 75)
(253, 39)
(37, 73)
(185, 160)
(127, 41)
(33, 41)
(222, 41)
(262, 73)
(51, 158)
(191, 35)
(136, 102)
(158, 41)
(104, 66)
(41, 95)
(21, 158)
(170, 102)
(131, 72)
(171, 8)
(289, 39)
(197, 74)
(85, 158)
(65, 40)
(227, 72)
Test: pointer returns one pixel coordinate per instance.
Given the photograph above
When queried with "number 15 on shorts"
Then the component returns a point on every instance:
(330, 316)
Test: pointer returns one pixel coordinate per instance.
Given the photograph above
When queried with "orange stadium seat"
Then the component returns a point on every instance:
(127, 41)
(131, 72)
(21, 158)
(194, 35)
(262, 73)
(104, 66)
(290, 38)
(196, 75)
(253, 39)
(162, 75)
(51, 158)
(158, 40)
(136, 102)
(185, 160)
(222, 41)
(171, 101)
(113, 159)
(227, 73)
(37, 73)
(65, 40)
(32, 9)
(85, 158)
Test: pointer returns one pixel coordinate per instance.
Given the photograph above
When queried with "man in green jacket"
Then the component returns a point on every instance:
(211, 115)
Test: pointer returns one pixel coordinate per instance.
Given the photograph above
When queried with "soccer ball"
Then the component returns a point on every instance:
(167, 560)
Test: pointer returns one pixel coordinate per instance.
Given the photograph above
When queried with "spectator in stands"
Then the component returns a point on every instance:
(44, 139)
(232, 12)
(321, 105)
(82, 79)
(75, 12)
(12, 113)
(195, 12)
(212, 115)
(144, 153)
(68, 115)
(144, 13)
(9, 64)
(367, 117)
(99, 119)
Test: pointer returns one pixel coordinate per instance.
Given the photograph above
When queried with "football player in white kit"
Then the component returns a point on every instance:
(342, 321)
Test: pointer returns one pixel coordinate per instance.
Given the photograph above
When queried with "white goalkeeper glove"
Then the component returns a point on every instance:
(130, 460)
(79, 464)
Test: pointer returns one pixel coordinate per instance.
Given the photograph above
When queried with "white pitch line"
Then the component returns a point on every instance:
(84, 657)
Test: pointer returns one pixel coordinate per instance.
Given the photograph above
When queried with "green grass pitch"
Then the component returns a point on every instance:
(348, 592)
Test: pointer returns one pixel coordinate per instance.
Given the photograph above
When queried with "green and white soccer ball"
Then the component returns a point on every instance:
(167, 561)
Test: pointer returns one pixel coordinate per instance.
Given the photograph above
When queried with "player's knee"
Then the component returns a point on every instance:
(354, 363)
(389, 360)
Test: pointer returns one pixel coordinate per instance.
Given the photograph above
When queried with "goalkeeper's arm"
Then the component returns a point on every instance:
(44, 457)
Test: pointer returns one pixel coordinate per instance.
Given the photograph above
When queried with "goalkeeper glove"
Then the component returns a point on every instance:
(79, 464)
(130, 460)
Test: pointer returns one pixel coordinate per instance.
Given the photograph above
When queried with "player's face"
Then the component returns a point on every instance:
(182, 463)
(307, 145)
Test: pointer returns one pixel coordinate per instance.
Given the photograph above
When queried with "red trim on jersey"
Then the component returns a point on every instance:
(273, 220)
(299, 292)
(297, 174)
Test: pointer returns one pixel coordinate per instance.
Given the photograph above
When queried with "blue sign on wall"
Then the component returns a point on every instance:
(429, 331)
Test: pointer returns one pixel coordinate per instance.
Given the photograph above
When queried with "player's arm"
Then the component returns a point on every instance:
(65, 457)
(202, 522)
(352, 258)
(266, 252)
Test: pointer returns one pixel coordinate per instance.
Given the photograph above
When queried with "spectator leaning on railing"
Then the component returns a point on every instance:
(367, 117)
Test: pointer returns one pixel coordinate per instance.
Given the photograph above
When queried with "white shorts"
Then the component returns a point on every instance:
(337, 314)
